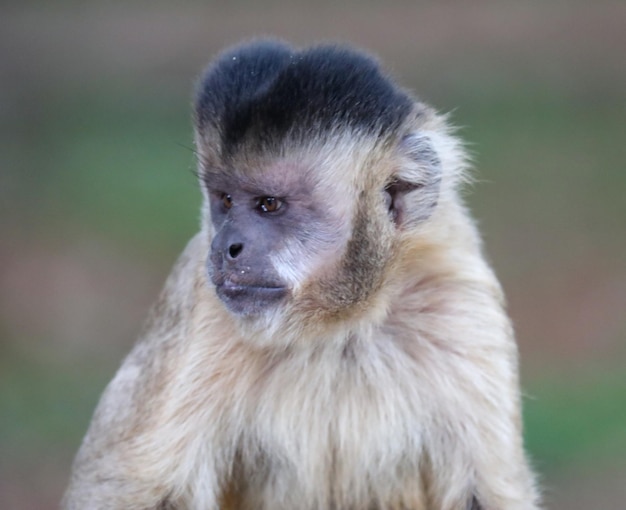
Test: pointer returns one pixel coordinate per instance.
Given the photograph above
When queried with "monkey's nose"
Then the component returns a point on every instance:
(234, 250)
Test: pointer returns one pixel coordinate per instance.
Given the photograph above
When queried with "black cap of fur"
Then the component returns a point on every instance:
(268, 91)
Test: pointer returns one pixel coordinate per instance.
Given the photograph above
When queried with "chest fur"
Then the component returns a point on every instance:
(325, 427)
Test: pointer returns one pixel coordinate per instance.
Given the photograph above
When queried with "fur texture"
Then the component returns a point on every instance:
(387, 381)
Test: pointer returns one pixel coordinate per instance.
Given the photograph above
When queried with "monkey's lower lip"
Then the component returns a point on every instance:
(248, 298)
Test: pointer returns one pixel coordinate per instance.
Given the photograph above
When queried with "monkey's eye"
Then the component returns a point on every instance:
(269, 204)
(227, 200)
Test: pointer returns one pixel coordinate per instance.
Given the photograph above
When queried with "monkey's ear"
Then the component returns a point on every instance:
(413, 192)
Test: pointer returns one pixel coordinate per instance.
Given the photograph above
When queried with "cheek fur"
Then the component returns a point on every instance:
(298, 261)
(291, 263)
(296, 264)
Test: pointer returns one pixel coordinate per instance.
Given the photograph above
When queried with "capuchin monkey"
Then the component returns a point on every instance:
(333, 338)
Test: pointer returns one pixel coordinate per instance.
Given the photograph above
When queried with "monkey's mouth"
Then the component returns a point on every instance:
(249, 299)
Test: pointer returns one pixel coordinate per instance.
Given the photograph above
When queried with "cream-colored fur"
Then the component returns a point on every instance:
(412, 402)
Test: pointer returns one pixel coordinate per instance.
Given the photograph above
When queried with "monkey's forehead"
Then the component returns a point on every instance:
(268, 90)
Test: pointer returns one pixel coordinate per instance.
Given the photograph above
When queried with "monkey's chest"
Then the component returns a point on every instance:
(342, 441)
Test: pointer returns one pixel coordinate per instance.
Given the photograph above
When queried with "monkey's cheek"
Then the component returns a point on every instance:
(249, 300)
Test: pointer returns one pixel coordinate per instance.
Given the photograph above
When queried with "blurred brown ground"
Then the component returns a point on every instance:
(539, 88)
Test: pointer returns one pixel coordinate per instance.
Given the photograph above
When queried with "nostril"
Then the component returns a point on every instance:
(234, 250)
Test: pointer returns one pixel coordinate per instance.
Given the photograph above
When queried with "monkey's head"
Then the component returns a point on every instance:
(316, 169)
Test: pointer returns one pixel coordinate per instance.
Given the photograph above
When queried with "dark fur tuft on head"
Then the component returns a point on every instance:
(270, 91)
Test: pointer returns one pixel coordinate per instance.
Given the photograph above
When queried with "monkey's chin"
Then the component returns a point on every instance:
(247, 300)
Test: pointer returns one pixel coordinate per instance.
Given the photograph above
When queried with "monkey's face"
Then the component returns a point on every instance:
(312, 162)
(248, 226)
(274, 226)
(310, 231)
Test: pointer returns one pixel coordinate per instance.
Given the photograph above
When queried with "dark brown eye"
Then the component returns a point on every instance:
(227, 200)
(269, 204)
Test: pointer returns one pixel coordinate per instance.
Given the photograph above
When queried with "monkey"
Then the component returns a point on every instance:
(333, 337)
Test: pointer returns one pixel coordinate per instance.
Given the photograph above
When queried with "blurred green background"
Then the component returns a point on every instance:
(97, 198)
